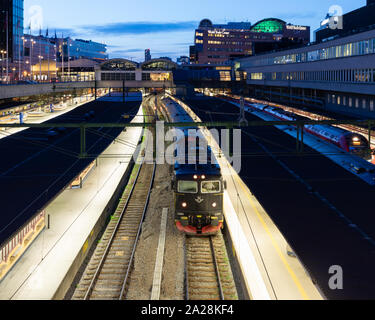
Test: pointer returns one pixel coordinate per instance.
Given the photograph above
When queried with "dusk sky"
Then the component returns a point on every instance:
(164, 26)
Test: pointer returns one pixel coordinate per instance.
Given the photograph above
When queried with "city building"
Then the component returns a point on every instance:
(147, 55)
(39, 59)
(336, 75)
(25, 56)
(46, 58)
(11, 15)
(183, 60)
(219, 43)
(155, 70)
(69, 49)
(193, 54)
(77, 70)
(352, 22)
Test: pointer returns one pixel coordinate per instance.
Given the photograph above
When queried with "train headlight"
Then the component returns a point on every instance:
(184, 204)
(203, 177)
(356, 141)
(195, 177)
(214, 205)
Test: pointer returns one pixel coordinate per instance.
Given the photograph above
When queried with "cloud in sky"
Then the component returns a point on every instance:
(144, 27)
(130, 28)
(124, 38)
(300, 15)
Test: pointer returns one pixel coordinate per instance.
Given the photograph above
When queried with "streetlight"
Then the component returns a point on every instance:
(26, 74)
(23, 54)
(7, 39)
(69, 45)
(3, 52)
(40, 67)
(31, 59)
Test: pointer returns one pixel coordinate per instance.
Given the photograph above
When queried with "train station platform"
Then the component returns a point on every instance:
(46, 270)
(270, 269)
(41, 117)
(359, 167)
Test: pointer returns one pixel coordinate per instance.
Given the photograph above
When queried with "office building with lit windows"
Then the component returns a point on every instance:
(11, 32)
(39, 59)
(218, 44)
(336, 75)
(70, 49)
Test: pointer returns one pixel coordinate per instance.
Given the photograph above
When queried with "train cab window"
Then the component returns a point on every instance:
(210, 186)
(188, 186)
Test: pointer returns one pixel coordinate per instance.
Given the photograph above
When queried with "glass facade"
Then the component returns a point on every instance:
(87, 49)
(119, 65)
(358, 48)
(11, 11)
(118, 76)
(81, 49)
(17, 25)
(159, 65)
(338, 76)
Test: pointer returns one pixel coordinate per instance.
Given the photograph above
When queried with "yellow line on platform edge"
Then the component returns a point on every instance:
(274, 243)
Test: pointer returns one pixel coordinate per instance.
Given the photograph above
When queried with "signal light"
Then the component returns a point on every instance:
(184, 204)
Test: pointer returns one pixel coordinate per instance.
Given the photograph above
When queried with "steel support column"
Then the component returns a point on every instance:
(96, 88)
(83, 143)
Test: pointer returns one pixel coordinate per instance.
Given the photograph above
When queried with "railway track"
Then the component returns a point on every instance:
(208, 272)
(107, 274)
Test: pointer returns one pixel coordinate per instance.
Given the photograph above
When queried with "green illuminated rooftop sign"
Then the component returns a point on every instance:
(268, 26)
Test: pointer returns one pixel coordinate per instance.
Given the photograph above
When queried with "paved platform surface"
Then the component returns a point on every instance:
(67, 107)
(44, 165)
(334, 153)
(73, 214)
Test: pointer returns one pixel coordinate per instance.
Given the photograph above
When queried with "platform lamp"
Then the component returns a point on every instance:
(3, 52)
(23, 54)
(40, 67)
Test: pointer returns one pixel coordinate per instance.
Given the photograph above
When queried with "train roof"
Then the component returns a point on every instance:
(191, 169)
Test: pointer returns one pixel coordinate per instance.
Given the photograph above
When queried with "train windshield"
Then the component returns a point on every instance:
(210, 186)
(187, 186)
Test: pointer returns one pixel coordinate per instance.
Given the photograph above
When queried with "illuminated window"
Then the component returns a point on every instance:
(160, 76)
(257, 76)
(225, 76)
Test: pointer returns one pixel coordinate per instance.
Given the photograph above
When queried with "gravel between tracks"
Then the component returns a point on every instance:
(144, 263)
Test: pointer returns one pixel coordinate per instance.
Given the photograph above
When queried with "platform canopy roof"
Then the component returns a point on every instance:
(159, 64)
(119, 64)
